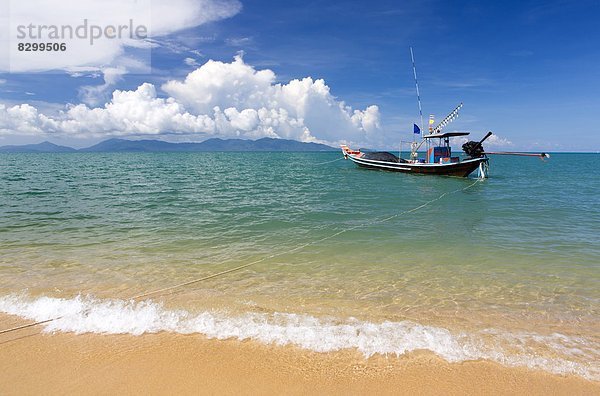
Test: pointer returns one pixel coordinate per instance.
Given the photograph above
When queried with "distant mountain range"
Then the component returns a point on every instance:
(45, 147)
(154, 146)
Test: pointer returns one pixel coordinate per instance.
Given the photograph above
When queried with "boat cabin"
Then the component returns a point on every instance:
(442, 153)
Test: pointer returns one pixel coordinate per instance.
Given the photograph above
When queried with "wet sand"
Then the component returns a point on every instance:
(62, 363)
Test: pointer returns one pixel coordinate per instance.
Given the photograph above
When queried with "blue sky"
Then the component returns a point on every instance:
(527, 70)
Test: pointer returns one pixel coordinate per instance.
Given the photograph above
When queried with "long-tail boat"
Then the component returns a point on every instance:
(439, 159)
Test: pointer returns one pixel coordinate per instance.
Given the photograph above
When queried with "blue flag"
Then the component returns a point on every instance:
(417, 130)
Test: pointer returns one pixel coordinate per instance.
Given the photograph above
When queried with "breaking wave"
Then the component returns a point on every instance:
(568, 355)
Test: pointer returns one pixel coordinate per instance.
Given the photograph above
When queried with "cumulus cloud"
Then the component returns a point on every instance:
(301, 108)
(217, 99)
(22, 119)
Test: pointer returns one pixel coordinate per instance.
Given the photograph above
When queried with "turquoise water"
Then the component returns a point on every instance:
(508, 268)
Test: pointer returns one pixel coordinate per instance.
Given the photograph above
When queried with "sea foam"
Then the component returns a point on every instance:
(112, 316)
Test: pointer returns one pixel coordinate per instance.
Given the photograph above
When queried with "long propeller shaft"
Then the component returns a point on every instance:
(541, 155)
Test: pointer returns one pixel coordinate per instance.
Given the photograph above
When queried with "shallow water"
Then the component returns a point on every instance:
(506, 269)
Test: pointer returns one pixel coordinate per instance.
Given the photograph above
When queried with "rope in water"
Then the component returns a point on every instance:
(328, 162)
(160, 292)
(376, 221)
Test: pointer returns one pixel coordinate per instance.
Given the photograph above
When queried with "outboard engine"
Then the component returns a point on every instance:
(475, 149)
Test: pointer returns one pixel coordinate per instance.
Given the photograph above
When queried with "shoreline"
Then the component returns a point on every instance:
(65, 363)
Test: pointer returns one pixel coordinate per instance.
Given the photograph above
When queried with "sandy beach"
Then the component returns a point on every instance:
(504, 302)
(39, 363)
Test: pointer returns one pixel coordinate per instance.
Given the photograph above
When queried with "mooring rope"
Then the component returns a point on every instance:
(376, 221)
(29, 325)
(160, 292)
(328, 162)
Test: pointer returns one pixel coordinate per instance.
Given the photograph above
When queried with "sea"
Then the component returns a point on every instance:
(326, 256)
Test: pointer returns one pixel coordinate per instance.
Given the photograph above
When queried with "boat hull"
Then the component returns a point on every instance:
(460, 169)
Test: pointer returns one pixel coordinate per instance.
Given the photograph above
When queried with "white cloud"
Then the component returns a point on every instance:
(95, 94)
(238, 41)
(498, 142)
(299, 104)
(191, 62)
(23, 119)
(493, 142)
(2, 81)
(222, 84)
(160, 18)
(197, 53)
(111, 56)
(217, 99)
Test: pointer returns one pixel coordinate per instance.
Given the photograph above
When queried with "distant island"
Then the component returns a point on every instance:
(44, 147)
(156, 146)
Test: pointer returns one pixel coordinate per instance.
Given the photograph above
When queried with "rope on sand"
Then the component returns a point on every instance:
(29, 325)
(161, 292)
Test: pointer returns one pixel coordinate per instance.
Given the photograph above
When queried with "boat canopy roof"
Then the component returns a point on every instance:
(445, 135)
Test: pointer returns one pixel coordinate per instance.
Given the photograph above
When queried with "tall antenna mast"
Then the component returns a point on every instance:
(412, 57)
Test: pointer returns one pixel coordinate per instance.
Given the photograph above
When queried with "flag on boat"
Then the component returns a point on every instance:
(416, 129)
